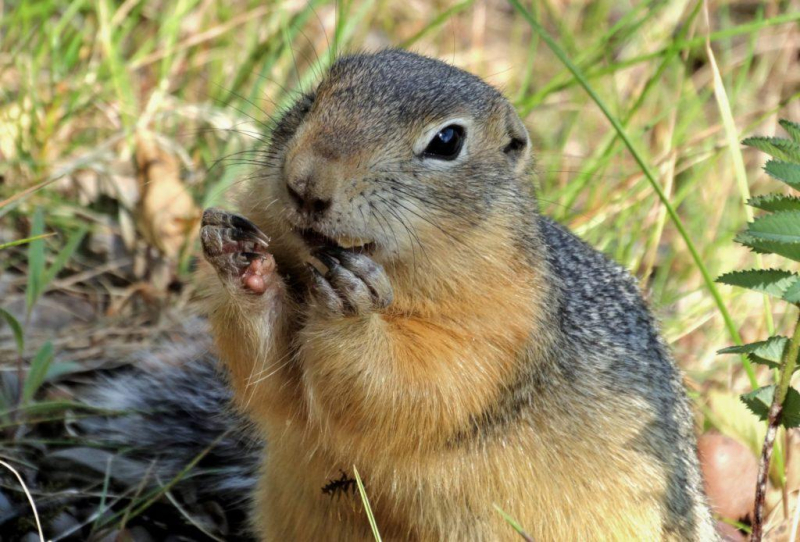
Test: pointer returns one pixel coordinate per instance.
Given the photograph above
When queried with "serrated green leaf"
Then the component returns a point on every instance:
(769, 352)
(777, 233)
(760, 400)
(786, 172)
(775, 202)
(790, 417)
(792, 128)
(16, 329)
(763, 246)
(777, 147)
(792, 294)
(37, 371)
(774, 282)
(783, 227)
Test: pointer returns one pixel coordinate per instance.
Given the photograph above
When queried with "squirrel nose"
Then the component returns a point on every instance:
(307, 204)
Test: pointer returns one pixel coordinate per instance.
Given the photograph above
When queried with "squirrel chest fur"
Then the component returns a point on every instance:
(414, 317)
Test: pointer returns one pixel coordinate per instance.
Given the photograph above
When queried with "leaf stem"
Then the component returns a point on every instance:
(788, 364)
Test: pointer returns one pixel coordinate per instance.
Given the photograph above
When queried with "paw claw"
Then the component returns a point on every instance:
(237, 249)
(217, 217)
(354, 284)
(324, 293)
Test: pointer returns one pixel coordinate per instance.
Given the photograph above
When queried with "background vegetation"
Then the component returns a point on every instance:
(108, 109)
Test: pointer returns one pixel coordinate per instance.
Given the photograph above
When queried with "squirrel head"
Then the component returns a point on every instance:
(395, 154)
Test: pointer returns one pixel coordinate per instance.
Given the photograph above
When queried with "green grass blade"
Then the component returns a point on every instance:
(343, 37)
(37, 371)
(342, 12)
(690, 43)
(35, 260)
(709, 281)
(367, 508)
(133, 510)
(514, 524)
(25, 241)
(103, 495)
(8, 204)
(67, 17)
(598, 159)
(116, 65)
(169, 31)
(16, 330)
(597, 51)
(732, 139)
(266, 53)
(437, 21)
(62, 258)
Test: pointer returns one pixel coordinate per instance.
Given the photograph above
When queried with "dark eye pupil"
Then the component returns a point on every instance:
(446, 145)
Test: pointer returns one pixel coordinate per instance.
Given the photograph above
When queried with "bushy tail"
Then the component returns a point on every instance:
(172, 426)
(171, 417)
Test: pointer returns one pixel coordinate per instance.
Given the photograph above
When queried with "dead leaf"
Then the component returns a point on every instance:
(166, 214)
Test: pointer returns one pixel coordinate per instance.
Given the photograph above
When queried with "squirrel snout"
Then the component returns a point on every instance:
(306, 202)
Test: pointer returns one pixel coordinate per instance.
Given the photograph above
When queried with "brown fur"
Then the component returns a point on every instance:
(399, 393)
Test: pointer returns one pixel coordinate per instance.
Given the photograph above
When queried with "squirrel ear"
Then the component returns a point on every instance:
(518, 147)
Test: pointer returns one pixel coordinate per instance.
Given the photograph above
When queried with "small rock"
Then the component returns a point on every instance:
(730, 471)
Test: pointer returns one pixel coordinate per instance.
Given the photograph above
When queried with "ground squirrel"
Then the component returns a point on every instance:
(409, 312)
(422, 321)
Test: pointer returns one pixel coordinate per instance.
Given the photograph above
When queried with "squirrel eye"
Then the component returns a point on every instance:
(447, 144)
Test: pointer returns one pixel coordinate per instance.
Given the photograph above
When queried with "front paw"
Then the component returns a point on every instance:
(237, 250)
(354, 284)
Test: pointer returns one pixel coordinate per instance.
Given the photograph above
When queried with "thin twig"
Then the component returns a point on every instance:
(773, 422)
(763, 469)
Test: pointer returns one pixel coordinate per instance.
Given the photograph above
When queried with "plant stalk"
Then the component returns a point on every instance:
(788, 364)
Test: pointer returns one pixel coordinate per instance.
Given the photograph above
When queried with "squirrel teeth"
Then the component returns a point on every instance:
(351, 242)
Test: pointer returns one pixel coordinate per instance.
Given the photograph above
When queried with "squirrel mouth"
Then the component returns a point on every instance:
(316, 240)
